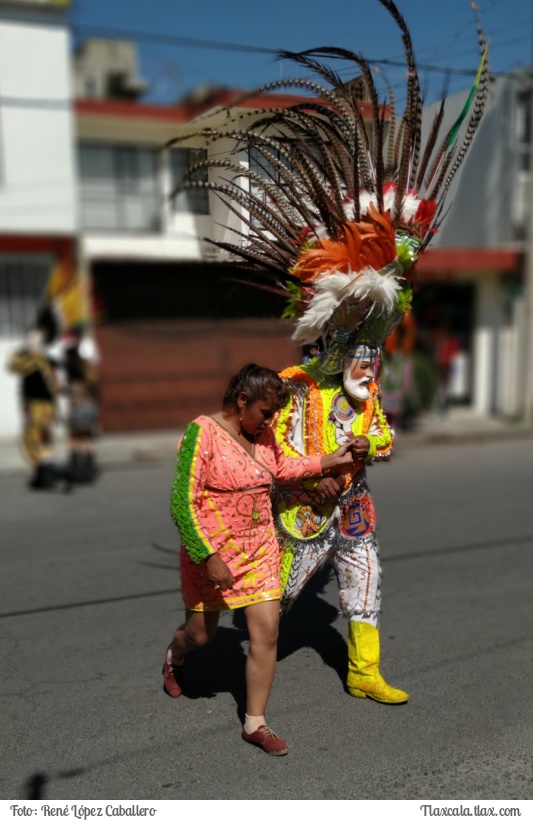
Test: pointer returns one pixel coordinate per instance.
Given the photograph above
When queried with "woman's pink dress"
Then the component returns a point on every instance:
(221, 502)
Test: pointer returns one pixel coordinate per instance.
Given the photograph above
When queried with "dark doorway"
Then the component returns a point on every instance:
(142, 291)
(448, 310)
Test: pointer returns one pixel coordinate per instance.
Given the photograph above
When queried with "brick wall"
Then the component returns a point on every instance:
(161, 374)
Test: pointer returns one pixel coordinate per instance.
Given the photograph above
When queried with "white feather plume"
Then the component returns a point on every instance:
(410, 206)
(410, 203)
(333, 290)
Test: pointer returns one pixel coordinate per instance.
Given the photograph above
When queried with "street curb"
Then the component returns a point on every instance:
(443, 438)
(137, 451)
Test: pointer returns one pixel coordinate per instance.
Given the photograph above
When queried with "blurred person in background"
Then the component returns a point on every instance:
(399, 391)
(313, 352)
(39, 389)
(80, 364)
(227, 463)
(446, 347)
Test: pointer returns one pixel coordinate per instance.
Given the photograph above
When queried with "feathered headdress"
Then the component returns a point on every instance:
(346, 198)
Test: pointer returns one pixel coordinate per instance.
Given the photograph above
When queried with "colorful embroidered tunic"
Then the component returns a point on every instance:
(318, 418)
(221, 503)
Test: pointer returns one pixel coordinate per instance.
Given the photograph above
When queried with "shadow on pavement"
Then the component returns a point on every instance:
(309, 624)
(38, 782)
(220, 667)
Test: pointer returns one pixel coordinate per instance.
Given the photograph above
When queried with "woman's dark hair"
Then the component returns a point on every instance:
(257, 383)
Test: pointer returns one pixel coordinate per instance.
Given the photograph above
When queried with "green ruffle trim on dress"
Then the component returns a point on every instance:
(180, 508)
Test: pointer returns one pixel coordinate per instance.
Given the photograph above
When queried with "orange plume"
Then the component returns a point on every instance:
(369, 243)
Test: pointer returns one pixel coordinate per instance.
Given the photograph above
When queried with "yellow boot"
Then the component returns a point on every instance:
(364, 679)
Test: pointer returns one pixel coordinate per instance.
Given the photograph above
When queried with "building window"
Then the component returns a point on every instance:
(272, 174)
(23, 281)
(119, 188)
(262, 166)
(89, 83)
(182, 161)
(266, 169)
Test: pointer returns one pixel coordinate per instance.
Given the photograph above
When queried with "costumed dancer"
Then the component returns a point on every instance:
(347, 201)
(39, 390)
(69, 291)
(334, 397)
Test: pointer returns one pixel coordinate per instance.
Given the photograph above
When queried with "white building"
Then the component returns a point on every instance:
(170, 318)
(38, 195)
(471, 277)
(155, 276)
(477, 262)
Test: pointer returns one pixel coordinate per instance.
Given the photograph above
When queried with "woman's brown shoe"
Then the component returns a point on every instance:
(263, 737)
(172, 675)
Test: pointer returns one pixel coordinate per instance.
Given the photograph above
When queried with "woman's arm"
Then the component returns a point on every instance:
(288, 468)
(187, 492)
(187, 495)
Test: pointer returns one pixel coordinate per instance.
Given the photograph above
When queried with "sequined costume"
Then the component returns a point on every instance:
(317, 418)
(38, 396)
(221, 502)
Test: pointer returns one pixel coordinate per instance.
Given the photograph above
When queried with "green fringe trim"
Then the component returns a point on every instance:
(196, 548)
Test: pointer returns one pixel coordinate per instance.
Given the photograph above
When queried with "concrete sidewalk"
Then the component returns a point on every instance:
(113, 450)
(137, 449)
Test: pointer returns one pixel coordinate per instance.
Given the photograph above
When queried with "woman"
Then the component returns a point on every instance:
(227, 463)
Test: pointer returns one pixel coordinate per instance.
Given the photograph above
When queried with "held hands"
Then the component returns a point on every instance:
(353, 451)
(218, 573)
(360, 446)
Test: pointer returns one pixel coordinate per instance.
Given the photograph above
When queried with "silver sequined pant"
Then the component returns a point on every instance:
(359, 578)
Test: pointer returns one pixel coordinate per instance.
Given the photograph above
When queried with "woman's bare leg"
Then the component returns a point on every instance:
(198, 629)
(263, 625)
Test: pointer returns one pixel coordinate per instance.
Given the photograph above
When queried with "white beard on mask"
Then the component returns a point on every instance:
(357, 389)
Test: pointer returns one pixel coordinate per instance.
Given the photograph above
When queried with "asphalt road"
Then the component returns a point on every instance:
(90, 597)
